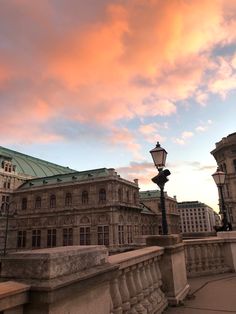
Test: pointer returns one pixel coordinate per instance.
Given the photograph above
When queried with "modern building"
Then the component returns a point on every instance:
(225, 156)
(196, 217)
(50, 205)
(151, 199)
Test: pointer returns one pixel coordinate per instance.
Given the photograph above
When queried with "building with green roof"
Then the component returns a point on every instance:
(29, 166)
(56, 206)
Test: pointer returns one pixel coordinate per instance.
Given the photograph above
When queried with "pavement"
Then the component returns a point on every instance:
(209, 295)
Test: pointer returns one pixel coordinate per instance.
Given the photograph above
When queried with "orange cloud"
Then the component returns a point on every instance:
(107, 62)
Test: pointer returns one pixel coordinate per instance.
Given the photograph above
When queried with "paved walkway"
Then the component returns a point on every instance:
(209, 295)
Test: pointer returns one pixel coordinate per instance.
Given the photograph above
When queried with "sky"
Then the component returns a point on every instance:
(96, 83)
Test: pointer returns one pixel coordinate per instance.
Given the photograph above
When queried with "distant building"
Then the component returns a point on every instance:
(217, 219)
(151, 199)
(56, 206)
(225, 156)
(196, 217)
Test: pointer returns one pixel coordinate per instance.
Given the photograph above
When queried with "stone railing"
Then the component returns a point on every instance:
(137, 288)
(206, 256)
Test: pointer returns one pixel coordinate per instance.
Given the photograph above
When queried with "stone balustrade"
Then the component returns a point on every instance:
(206, 256)
(137, 287)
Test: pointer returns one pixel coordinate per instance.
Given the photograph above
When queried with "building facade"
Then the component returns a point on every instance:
(225, 156)
(196, 217)
(65, 207)
(151, 199)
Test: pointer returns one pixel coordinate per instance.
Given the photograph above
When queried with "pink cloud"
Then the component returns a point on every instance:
(111, 61)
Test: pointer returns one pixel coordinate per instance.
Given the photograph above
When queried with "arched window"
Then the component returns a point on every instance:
(52, 201)
(24, 203)
(68, 199)
(38, 202)
(85, 197)
(102, 196)
(120, 195)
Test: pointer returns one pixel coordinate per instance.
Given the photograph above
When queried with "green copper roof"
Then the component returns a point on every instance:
(146, 209)
(149, 194)
(66, 178)
(31, 166)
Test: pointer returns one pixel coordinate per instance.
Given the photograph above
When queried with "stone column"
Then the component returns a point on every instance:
(172, 266)
(229, 248)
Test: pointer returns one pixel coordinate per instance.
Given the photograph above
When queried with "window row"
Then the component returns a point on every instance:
(126, 196)
(67, 237)
(68, 200)
(7, 166)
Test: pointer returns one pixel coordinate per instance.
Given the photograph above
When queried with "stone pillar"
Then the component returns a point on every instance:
(229, 248)
(72, 279)
(172, 266)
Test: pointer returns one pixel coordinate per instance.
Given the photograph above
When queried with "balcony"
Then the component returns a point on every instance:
(193, 274)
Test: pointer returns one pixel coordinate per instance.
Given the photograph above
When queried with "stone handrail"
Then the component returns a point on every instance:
(137, 288)
(206, 256)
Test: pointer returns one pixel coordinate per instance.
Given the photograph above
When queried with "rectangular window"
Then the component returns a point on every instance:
(129, 234)
(135, 229)
(84, 235)
(103, 235)
(67, 236)
(36, 238)
(121, 234)
(52, 238)
(21, 239)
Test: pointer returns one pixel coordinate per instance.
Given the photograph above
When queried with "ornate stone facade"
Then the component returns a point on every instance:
(72, 208)
(225, 156)
(82, 208)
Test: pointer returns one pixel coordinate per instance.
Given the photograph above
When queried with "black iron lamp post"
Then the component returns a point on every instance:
(159, 155)
(5, 211)
(219, 178)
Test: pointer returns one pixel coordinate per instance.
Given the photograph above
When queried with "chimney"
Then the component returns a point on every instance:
(136, 181)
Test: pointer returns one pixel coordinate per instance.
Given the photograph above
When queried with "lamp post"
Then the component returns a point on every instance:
(219, 178)
(5, 211)
(159, 155)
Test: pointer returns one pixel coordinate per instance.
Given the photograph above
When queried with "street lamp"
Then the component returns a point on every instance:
(219, 178)
(5, 211)
(159, 155)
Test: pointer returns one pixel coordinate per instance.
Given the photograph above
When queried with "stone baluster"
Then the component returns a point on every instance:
(124, 291)
(200, 257)
(139, 290)
(217, 256)
(222, 260)
(111, 305)
(152, 297)
(132, 289)
(205, 258)
(210, 257)
(187, 258)
(158, 274)
(192, 257)
(195, 254)
(116, 297)
(155, 279)
(214, 256)
(145, 302)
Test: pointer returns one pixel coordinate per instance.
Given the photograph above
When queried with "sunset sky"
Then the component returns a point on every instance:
(96, 83)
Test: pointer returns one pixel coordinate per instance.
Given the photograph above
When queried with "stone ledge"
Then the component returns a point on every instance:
(12, 295)
(45, 264)
(164, 240)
